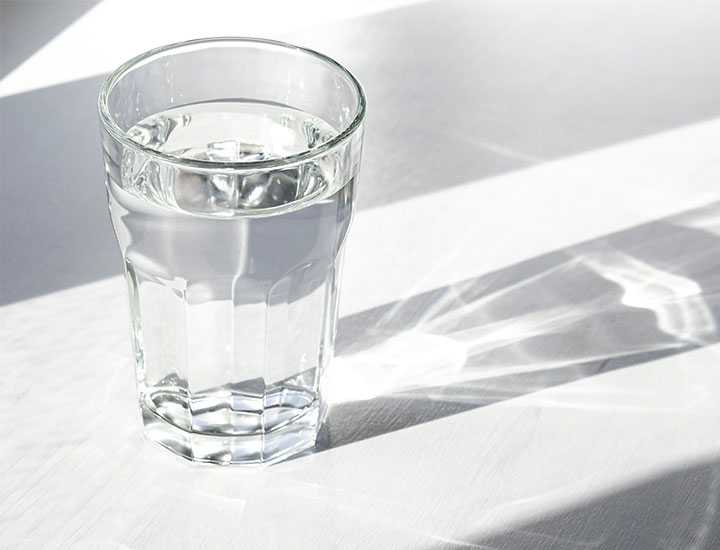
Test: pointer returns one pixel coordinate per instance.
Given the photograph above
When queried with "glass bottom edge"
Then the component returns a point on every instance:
(234, 450)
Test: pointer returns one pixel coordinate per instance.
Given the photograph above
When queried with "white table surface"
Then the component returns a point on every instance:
(528, 345)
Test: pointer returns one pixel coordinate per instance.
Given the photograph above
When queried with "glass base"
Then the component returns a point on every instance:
(254, 449)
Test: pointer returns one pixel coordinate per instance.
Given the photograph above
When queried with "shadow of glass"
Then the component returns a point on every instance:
(676, 510)
(631, 297)
(25, 27)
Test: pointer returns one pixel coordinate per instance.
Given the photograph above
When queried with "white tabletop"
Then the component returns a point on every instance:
(528, 347)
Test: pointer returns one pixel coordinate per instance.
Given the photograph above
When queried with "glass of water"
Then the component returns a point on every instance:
(231, 167)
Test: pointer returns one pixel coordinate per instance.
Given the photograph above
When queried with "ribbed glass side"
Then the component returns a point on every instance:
(233, 322)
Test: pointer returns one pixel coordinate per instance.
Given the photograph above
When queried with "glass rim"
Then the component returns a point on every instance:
(120, 135)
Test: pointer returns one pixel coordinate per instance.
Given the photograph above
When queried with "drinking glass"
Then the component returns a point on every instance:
(231, 168)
